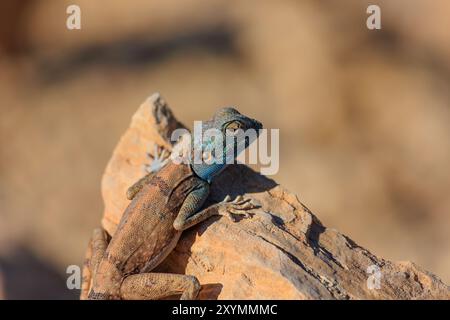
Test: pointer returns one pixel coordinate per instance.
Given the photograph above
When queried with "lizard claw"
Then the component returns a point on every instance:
(240, 206)
(160, 157)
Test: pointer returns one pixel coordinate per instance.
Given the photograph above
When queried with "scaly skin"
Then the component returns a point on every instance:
(164, 203)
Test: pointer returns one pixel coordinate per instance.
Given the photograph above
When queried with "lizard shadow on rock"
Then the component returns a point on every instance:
(235, 180)
(238, 179)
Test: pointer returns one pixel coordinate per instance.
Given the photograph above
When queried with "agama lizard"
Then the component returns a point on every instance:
(164, 203)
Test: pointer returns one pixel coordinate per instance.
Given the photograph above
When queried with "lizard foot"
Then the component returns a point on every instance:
(238, 207)
(160, 157)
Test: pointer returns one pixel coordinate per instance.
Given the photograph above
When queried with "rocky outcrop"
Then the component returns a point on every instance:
(281, 252)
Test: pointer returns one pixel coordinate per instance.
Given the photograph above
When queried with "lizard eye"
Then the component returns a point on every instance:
(233, 126)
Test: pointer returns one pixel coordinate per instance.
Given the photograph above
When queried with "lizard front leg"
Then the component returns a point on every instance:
(188, 215)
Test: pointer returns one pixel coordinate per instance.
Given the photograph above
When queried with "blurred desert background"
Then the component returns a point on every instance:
(364, 116)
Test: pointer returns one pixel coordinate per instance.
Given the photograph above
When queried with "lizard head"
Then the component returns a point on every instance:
(224, 137)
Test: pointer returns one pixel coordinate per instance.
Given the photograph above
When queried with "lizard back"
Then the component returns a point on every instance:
(145, 234)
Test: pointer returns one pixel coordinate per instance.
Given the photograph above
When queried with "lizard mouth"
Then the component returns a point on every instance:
(258, 125)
